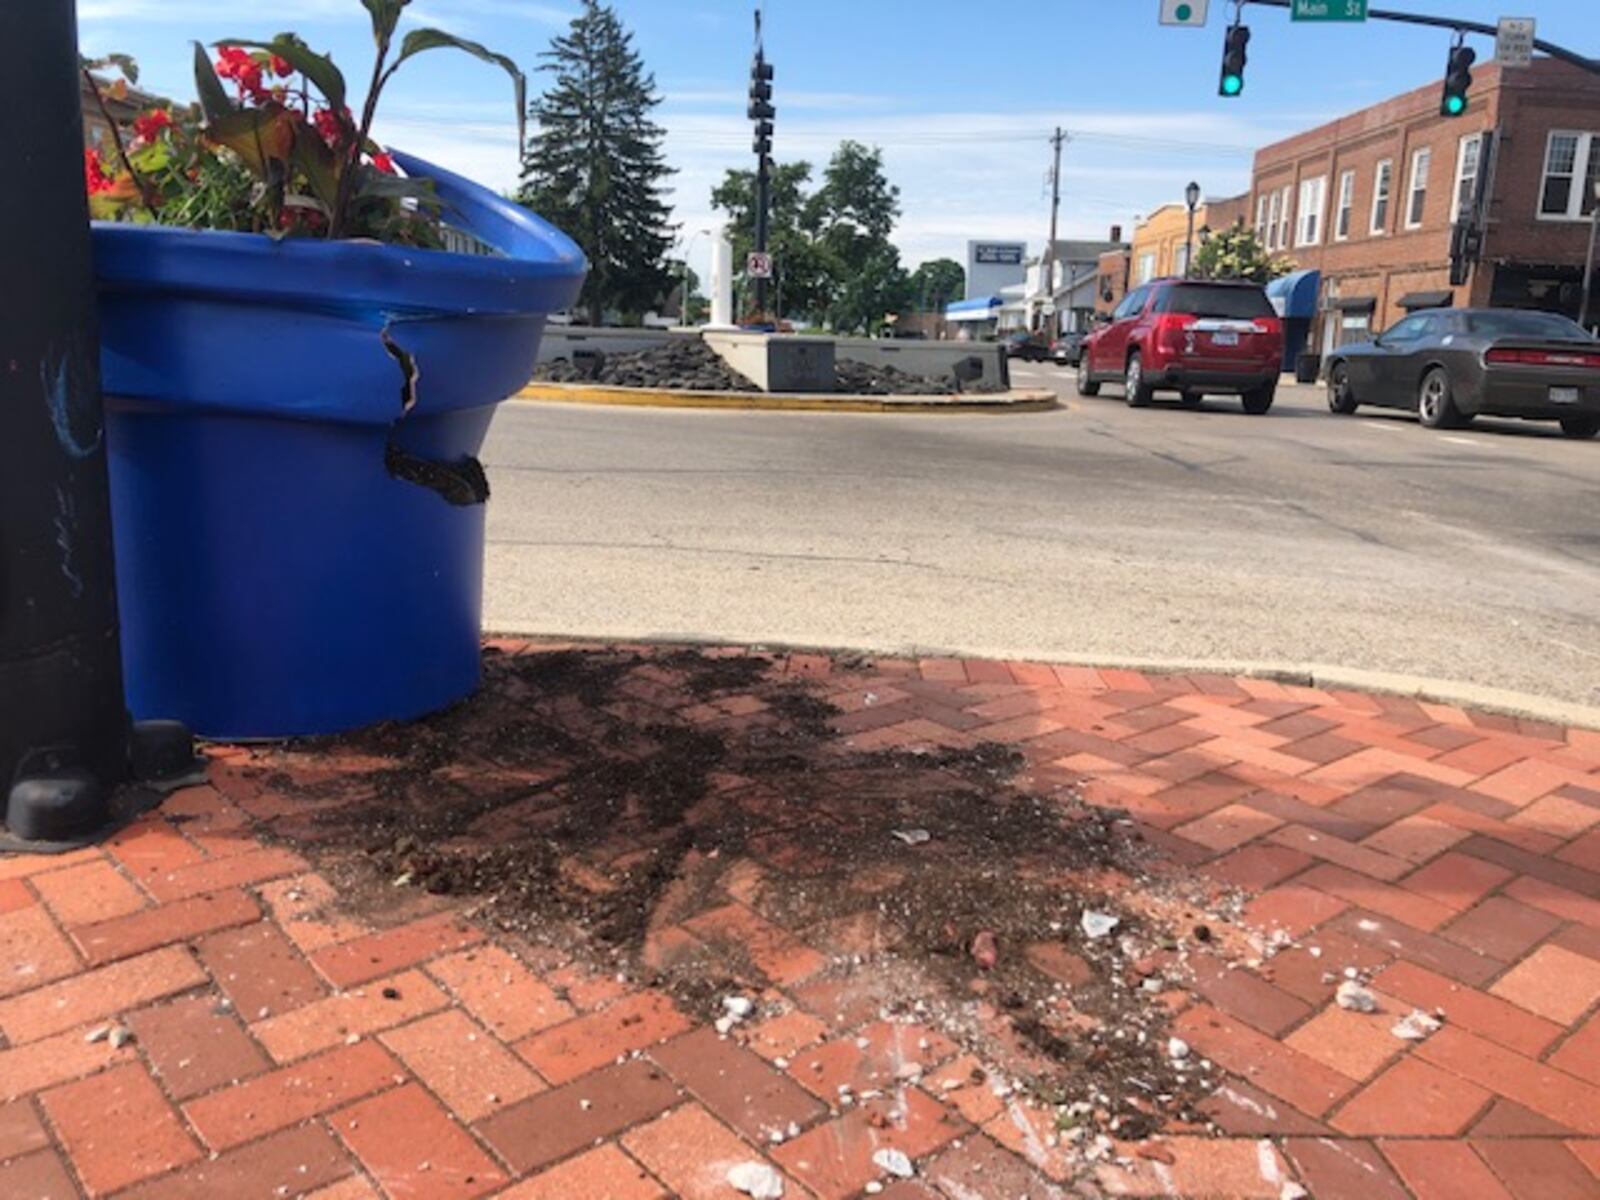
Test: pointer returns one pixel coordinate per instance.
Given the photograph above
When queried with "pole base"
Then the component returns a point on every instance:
(53, 808)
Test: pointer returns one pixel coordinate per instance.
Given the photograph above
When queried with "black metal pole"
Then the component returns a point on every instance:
(63, 726)
(763, 201)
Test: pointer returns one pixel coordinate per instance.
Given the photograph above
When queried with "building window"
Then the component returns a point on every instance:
(1261, 218)
(1147, 267)
(1283, 219)
(1382, 179)
(1347, 201)
(1313, 194)
(1180, 260)
(1417, 194)
(1560, 196)
(1469, 161)
(1272, 220)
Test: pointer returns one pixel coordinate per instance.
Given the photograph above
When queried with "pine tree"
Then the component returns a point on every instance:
(595, 168)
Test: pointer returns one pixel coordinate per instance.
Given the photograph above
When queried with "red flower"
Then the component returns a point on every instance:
(332, 129)
(282, 67)
(147, 126)
(242, 67)
(384, 163)
(94, 175)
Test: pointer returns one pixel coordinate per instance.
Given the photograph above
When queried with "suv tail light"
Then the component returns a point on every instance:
(1169, 331)
(1543, 358)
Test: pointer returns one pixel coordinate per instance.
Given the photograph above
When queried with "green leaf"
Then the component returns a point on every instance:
(419, 40)
(257, 135)
(318, 68)
(385, 16)
(379, 184)
(318, 164)
(122, 62)
(213, 96)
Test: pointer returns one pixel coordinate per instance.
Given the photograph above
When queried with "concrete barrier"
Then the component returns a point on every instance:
(560, 341)
(936, 360)
(778, 362)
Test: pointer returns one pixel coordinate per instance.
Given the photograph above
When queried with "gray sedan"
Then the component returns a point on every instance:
(1450, 365)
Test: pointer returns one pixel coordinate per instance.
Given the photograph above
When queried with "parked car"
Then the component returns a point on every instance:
(1067, 349)
(1450, 365)
(1190, 336)
(1029, 347)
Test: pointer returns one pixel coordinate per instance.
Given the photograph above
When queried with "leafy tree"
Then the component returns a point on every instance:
(1236, 253)
(937, 282)
(871, 291)
(854, 211)
(674, 305)
(596, 168)
(802, 283)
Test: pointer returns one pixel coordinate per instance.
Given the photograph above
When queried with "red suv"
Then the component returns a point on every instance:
(1191, 336)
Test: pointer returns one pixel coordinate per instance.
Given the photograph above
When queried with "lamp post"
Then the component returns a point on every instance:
(1588, 262)
(1191, 195)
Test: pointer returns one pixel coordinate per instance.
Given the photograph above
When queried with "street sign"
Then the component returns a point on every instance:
(1329, 10)
(1513, 47)
(1184, 12)
(758, 265)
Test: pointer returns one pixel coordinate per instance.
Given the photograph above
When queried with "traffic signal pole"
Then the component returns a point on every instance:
(761, 112)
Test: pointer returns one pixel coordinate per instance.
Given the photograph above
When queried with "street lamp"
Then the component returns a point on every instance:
(1191, 195)
(1588, 263)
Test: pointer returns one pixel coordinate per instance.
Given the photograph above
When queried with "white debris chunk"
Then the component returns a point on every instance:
(912, 837)
(1356, 998)
(1098, 924)
(1177, 1048)
(894, 1162)
(738, 1007)
(1293, 1191)
(1416, 1026)
(757, 1180)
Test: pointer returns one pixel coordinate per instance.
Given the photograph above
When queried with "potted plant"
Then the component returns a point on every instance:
(298, 380)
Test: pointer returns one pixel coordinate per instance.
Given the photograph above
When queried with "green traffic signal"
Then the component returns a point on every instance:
(1457, 105)
(1232, 85)
(1235, 46)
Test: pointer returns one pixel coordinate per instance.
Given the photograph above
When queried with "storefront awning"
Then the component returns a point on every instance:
(1295, 295)
(1355, 304)
(1415, 300)
(984, 308)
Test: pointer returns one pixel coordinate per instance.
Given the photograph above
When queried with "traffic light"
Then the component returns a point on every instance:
(760, 110)
(1233, 60)
(1457, 81)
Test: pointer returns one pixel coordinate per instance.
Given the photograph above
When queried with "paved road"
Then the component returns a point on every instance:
(1364, 542)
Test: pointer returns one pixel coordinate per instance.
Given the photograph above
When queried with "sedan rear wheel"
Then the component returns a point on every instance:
(1580, 427)
(1436, 404)
(1086, 384)
(1341, 398)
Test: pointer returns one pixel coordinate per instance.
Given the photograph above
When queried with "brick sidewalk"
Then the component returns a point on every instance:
(281, 1048)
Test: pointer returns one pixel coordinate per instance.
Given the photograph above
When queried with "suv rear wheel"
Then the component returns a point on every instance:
(1341, 399)
(1086, 384)
(1260, 400)
(1436, 402)
(1138, 392)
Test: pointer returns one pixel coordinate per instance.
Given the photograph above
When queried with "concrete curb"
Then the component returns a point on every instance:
(1015, 401)
(1315, 675)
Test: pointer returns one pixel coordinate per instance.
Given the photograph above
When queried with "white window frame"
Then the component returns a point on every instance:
(1313, 200)
(1382, 193)
(1261, 218)
(1272, 219)
(1286, 220)
(1474, 142)
(1180, 259)
(1421, 165)
(1147, 267)
(1588, 145)
(1344, 213)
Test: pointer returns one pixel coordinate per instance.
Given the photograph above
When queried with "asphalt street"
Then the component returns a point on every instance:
(1095, 531)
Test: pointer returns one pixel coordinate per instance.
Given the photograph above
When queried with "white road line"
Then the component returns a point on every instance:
(1386, 425)
(1460, 441)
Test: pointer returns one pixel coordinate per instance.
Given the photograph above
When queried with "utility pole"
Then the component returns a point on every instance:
(1048, 262)
(1588, 262)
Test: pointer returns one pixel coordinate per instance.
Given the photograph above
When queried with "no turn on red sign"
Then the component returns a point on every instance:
(758, 265)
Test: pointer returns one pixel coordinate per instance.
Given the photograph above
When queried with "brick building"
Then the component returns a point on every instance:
(1369, 200)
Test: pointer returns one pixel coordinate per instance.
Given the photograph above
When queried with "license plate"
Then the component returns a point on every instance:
(1563, 395)
(1225, 339)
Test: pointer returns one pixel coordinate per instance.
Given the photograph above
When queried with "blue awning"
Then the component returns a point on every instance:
(973, 310)
(1295, 295)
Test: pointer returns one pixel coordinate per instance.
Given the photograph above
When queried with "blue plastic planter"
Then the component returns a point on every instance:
(296, 552)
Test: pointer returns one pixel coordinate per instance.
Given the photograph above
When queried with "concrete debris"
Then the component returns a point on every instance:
(1098, 924)
(756, 1180)
(894, 1162)
(1353, 996)
(1416, 1026)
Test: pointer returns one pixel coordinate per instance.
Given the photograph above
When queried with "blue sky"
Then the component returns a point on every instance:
(961, 96)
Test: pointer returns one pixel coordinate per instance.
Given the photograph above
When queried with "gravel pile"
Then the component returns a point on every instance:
(684, 363)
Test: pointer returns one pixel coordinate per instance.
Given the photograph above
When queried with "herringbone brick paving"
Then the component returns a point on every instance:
(282, 1047)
